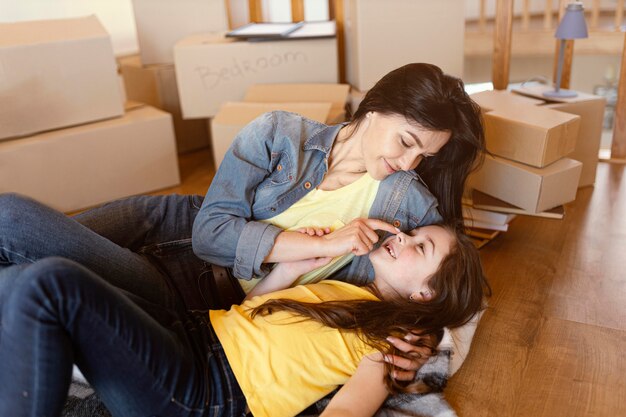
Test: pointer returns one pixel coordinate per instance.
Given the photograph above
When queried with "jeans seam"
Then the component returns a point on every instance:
(16, 254)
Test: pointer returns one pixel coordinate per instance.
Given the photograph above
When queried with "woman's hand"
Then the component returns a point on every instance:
(357, 237)
(417, 350)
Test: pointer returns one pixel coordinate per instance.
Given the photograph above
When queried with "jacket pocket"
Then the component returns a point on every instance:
(280, 169)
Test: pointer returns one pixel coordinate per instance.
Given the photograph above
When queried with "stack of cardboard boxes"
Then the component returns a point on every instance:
(65, 137)
(151, 76)
(533, 145)
(230, 82)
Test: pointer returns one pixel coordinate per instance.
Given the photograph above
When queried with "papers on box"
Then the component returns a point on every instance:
(212, 69)
(54, 74)
(83, 166)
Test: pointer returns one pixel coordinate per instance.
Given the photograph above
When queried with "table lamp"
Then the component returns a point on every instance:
(572, 26)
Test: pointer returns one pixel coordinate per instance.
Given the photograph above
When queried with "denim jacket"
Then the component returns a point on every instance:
(272, 163)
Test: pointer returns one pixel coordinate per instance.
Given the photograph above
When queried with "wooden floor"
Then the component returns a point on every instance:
(553, 340)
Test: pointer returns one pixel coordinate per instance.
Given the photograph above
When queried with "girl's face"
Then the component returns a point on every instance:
(390, 143)
(404, 262)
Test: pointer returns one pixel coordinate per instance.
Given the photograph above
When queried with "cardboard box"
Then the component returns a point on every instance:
(380, 38)
(336, 94)
(532, 189)
(531, 135)
(54, 74)
(498, 99)
(213, 69)
(590, 108)
(162, 23)
(356, 97)
(83, 166)
(232, 117)
(591, 111)
(156, 85)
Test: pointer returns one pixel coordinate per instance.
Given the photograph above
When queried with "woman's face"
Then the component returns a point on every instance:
(404, 262)
(390, 143)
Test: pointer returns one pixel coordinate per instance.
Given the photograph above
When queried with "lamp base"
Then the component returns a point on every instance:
(561, 93)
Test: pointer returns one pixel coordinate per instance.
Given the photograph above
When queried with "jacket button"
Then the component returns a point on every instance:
(396, 223)
(279, 167)
(272, 208)
(307, 185)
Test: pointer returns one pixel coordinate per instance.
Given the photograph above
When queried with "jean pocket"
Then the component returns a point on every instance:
(172, 248)
(196, 201)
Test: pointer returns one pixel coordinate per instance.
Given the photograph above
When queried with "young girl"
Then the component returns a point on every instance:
(275, 354)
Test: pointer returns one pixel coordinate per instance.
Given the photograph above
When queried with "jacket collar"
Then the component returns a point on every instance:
(323, 138)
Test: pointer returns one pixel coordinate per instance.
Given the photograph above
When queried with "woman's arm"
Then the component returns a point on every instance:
(223, 231)
(364, 392)
(357, 237)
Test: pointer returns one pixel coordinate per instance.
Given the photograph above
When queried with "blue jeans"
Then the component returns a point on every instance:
(139, 244)
(142, 359)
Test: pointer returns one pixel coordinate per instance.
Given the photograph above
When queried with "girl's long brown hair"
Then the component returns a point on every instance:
(459, 289)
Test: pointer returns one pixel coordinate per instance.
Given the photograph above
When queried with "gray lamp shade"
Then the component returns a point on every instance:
(573, 24)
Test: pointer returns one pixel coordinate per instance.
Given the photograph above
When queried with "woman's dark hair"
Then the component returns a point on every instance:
(422, 93)
(459, 289)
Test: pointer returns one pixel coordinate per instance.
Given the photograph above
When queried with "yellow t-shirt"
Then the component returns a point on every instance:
(282, 362)
(321, 208)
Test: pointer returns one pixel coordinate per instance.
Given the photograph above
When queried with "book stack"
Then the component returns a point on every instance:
(150, 77)
(485, 217)
(483, 224)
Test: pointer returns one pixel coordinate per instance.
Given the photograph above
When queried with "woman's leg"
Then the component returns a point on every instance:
(139, 222)
(159, 228)
(30, 231)
(59, 312)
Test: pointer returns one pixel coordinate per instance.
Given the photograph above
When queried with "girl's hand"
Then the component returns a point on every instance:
(417, 351)
(284, 274)
(357, 237)
(314, 231)
(293, 270)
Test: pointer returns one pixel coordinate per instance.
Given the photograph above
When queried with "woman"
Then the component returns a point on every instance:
(414, 118)
(184, 364)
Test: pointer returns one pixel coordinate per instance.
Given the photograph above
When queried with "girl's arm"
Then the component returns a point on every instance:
(364, 392)
(284, 274)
